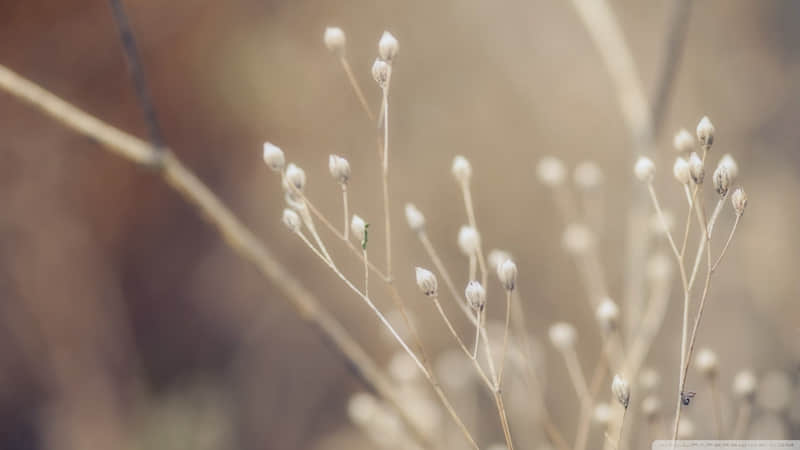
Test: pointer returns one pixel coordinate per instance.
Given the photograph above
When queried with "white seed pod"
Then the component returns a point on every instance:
(607, 315)
(686, 429)
(414, 217)
(697, 169)
(461, 169)
(387, 47)
(705, 132)
(733, 168)
(426, 281)
(497, 257)
(339, 168)
(475, 295)
(468, 240)
(681, 170)
(739, 200)
(507, 273)
(721, 180)
(562, 335)
(649, 379)
(578, 238)
(291, 220)
(587, 175)
(644, 169)
(745, 385)
(381, 71)
(707, 363)
(335, 40)
(602, 414)
(683, 141)
(296, 176)
(358, 227)
(273, 157)
(621, 390)
(651, 407)
(551, 171)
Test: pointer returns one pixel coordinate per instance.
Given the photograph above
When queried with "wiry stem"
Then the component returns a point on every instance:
(357, 88)
(239, 238)
(366, 273)
(505, 339)
(727, 243)
(385, 178)
(463, 346)
(346, 228)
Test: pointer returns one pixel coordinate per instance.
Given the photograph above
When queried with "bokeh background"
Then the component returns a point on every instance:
(125, 322)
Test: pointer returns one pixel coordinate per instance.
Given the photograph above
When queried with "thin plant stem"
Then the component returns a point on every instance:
(691, 199)
(366, 273)
(576, 374)
(356, 88)
(234, 233)
(346, 228)
(385, 179)
(621, 426)
(473, 266)
(727, 243)
(584, 420)
(468, 205)
(478, 329)
(463, 346)
(505, 338)
(663, 220)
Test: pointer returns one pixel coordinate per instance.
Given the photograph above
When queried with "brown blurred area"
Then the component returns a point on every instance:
(125, 322)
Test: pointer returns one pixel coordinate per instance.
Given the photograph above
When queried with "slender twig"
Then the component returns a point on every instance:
(239, 238)
(727, 243)
(356, 88)
(478, 328)
(137, 73)
(461, 344)
(385, 179)
(505, 338)
(346, 228)
(621, 427)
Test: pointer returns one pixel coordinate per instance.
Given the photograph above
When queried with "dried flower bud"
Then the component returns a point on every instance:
(461, 169)
(562, 335)
(335, 40)
(273, 156)
(507, 273)
(607, 315)
(415, 219)
(722, 180)
(588, 175)
(651, 407)
(739, 200)
(291, 220)
(339, 168)
(681, 171)
(744, 385)
(361, 408)
(707, 363)
(358, 227)
(497, 257)
(475, 295)
(644, 169)
(426, 281)
(381, 71)
(551, 171)
(296, 176)
(649, 379)
(578, 238)
(683, 141)
(468, 240)
(387, 47)
(602, 414)
(621, 390)
(697, 169)
(733, 168)
(705, 132)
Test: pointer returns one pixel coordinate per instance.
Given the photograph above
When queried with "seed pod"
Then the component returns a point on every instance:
(461, 169)
(588, 175)
(722, 180)
(602, 414)
(475, 295)
(551, 171)
(426, 281)
(296, 176)
(683, 141)
(621, 390)
(578, 238)
(707, 363)
(733, 168)
(644, 169)
(705, 132)
(697, 169)
(507, 273)
(381, 71)
(681, 171)
(291, 220)
(335, 40)
(607, 315)
(744, 385)
(468, 240)
(739, 201)
(387, 47)
(562, 335)
(415, 219)
(358, 227)
(273, 157)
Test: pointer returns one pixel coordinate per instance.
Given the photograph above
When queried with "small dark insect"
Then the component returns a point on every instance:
(366, 233)
(686, 397)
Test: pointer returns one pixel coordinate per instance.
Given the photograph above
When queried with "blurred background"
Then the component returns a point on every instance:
(125, 321)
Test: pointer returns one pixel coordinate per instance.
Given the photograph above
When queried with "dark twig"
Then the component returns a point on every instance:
(137, 73)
